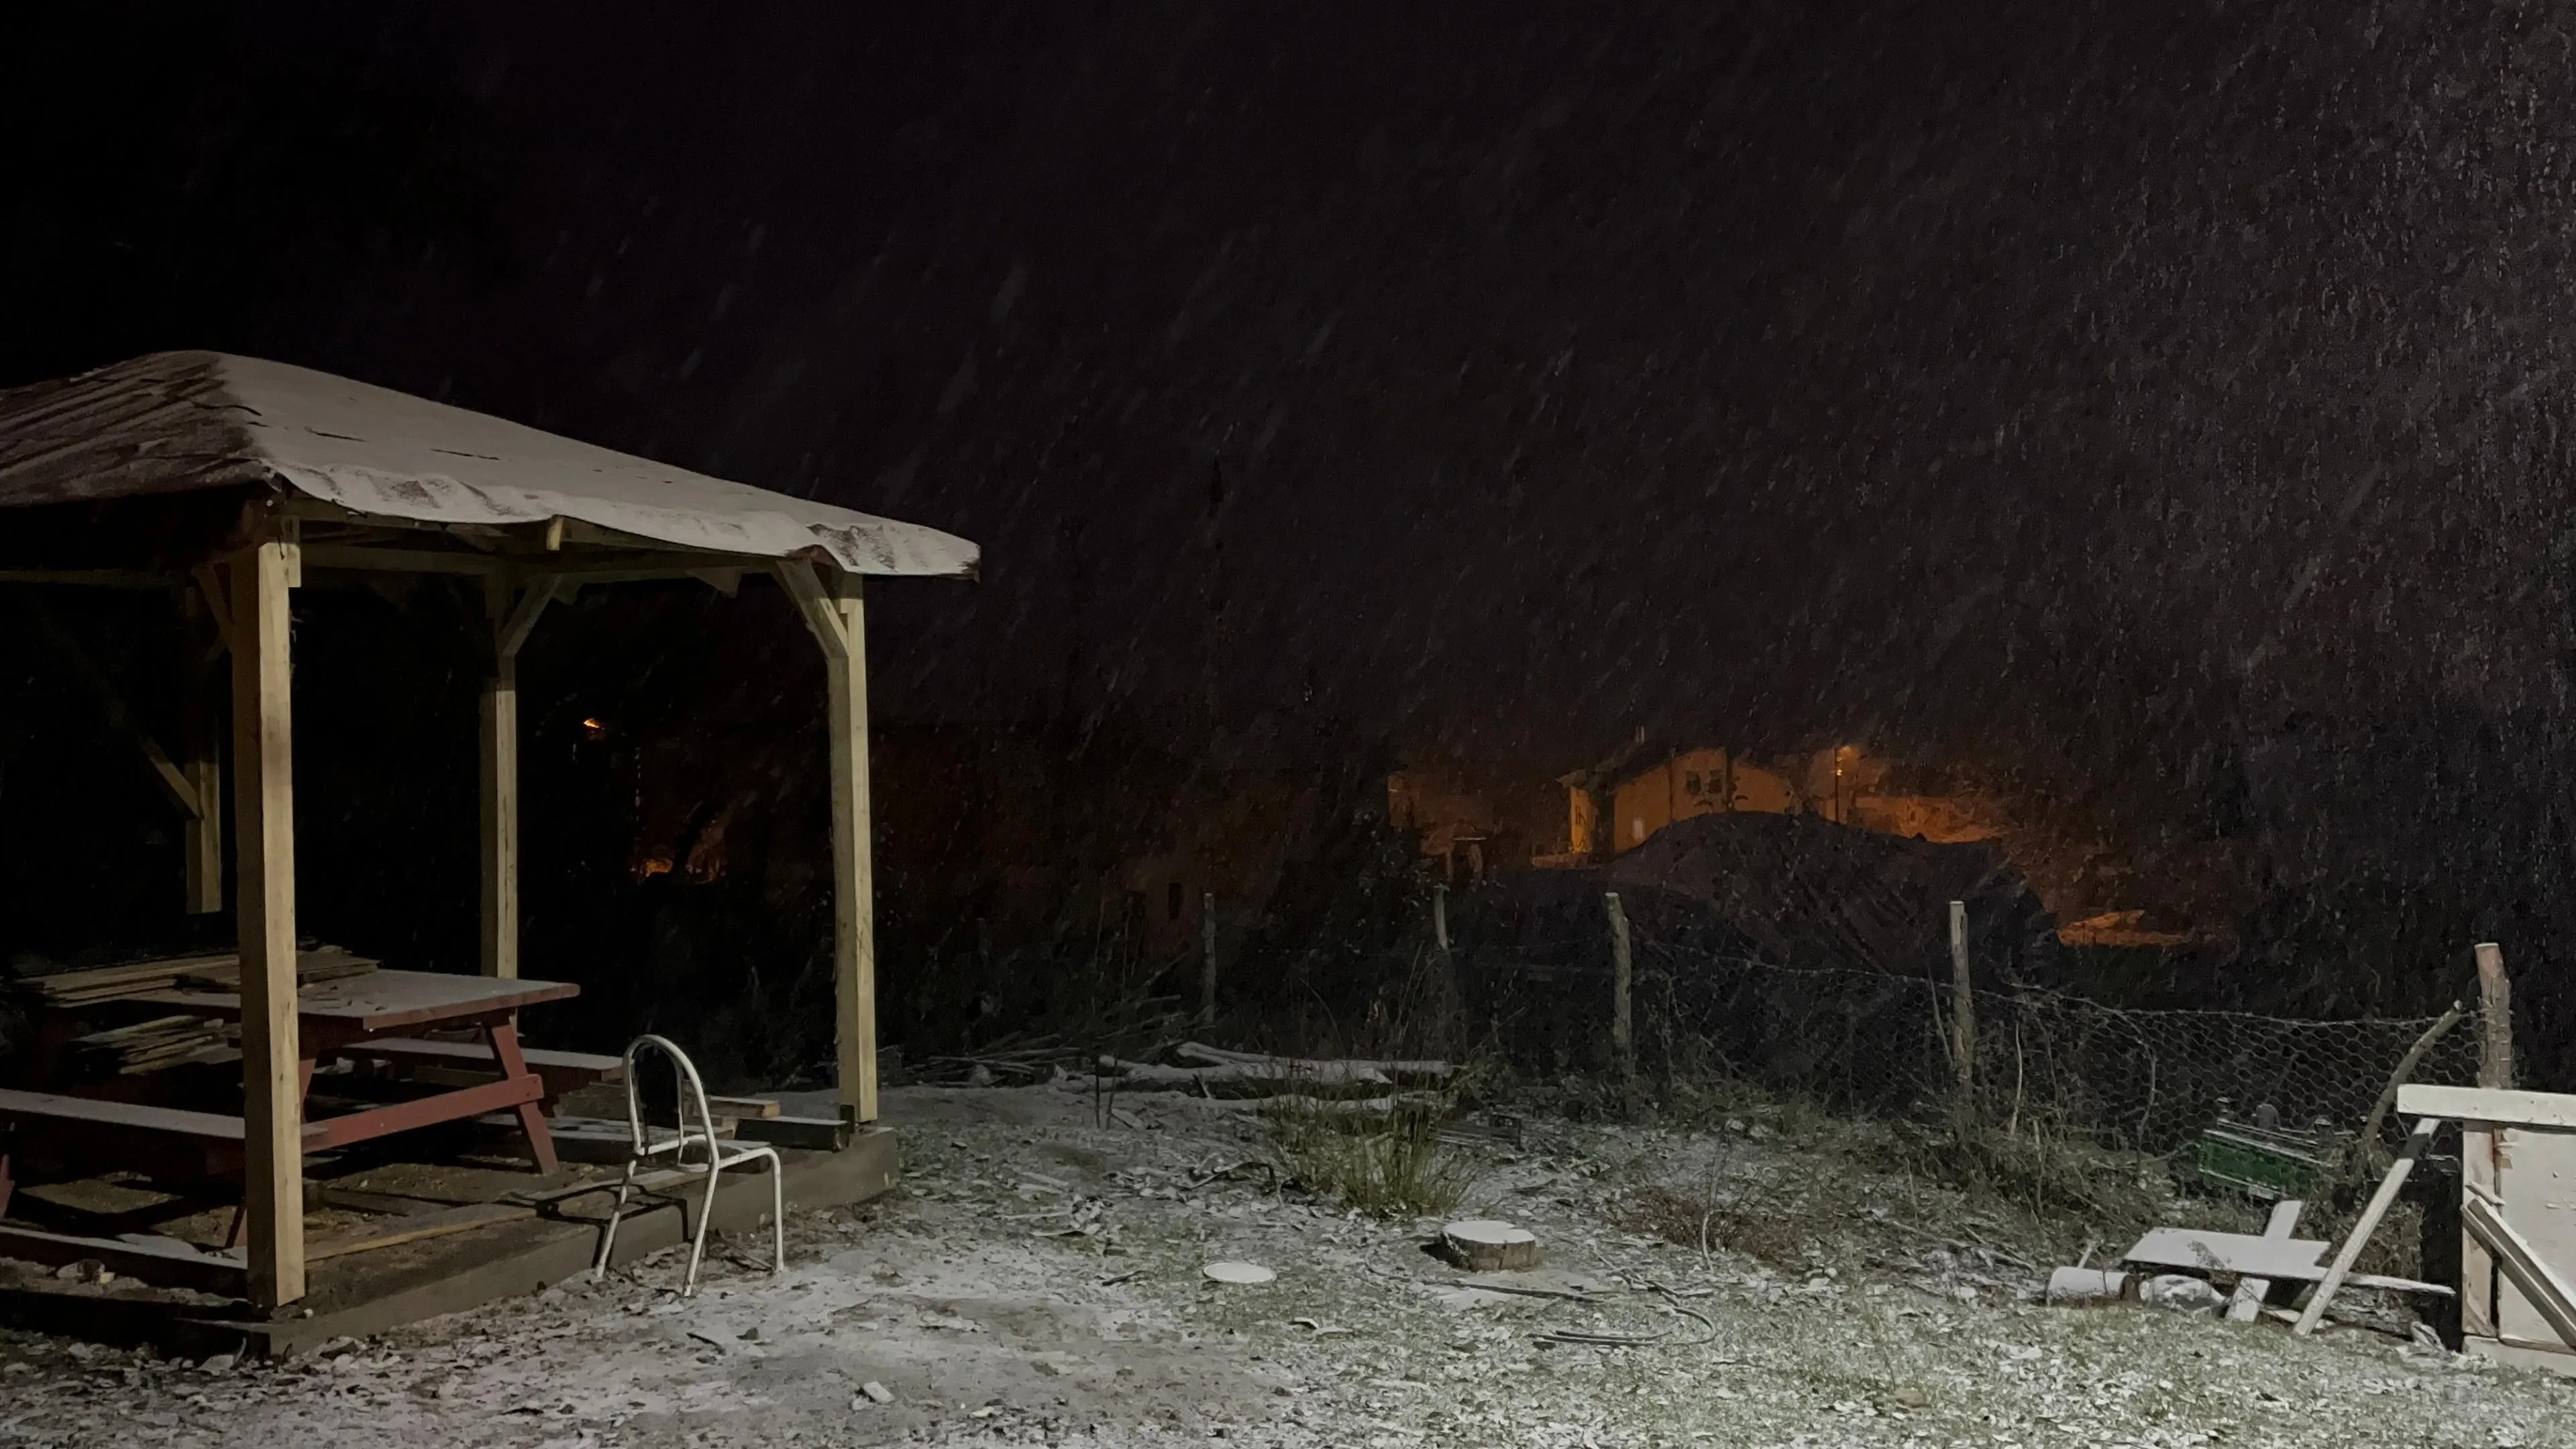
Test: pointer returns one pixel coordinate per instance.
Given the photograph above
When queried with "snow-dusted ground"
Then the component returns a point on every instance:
(1038, 1282)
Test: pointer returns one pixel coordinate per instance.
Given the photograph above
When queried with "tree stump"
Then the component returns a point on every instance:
(1484, 1246)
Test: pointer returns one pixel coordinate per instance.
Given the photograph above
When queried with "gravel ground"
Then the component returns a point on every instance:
(1038, 1282)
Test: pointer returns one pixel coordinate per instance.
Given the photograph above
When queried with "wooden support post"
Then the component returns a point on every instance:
(854, 953)
(498, 727)
(1623, 1032)
(513, 616)
(1440, 917)
(2416, 1142)
(837, 618)
(1963, 1018)
(1207, 958)
(200, 751)
(2478, 1140)
(264, 809)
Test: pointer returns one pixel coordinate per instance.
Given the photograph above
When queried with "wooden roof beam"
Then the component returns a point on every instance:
(181, 789)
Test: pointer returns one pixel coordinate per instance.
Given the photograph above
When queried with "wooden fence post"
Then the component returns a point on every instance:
(1623, 1034)
(2477, 1142)
(1963, 1019)
(512, 615)
(1440, 917)
(1207, 958)
(2495, 995)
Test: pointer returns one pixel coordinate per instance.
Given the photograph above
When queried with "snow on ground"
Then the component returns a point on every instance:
(1037, 1281)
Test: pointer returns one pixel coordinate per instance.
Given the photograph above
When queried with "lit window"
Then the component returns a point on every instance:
(1637, 828)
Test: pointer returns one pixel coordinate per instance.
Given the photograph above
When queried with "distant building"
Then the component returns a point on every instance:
(1612, 807)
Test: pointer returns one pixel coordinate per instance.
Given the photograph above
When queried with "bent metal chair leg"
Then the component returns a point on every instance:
(777, 1211)
(608, 1239)
(698, 1240)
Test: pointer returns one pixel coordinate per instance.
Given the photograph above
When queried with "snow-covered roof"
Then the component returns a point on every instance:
(175, 422)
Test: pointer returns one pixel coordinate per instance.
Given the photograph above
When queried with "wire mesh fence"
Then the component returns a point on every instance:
(1870, 1041)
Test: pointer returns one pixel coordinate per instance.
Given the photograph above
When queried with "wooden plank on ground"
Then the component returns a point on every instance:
(357, 1199)
(2214, 1252)
(415, 1227)
(176, 1265)
(2246, 1305)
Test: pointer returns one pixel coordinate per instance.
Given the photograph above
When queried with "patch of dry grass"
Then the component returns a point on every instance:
(1387, 1164)
(2048, 1173)
(1778, 1239)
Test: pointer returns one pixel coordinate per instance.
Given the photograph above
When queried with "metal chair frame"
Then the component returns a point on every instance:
(719, 1156)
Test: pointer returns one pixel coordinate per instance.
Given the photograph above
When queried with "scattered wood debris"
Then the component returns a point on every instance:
(1247, 1070)
(2196, 1250)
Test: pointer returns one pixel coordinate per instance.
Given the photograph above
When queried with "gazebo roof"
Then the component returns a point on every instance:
(178, 422)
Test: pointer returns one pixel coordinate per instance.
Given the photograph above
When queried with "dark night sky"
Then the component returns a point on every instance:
(1974, 373)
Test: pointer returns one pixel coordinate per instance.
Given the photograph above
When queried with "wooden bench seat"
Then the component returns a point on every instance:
(88, 1131)
(561, 1071)
(90, 1112)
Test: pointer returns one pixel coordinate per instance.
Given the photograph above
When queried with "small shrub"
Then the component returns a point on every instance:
(1387, 1164)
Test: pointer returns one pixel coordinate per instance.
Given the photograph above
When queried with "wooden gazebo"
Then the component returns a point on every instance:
(230, 481)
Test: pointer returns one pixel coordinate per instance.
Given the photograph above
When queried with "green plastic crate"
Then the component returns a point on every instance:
(2270, 1162)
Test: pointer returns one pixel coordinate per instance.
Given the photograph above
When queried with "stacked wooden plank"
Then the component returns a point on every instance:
(219, 972)
(145, 1046)
(322, 963)
(106, 983)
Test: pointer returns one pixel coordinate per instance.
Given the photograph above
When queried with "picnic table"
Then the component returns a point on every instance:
(332, 1017)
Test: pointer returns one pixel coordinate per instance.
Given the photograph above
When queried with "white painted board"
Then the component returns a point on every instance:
(2536, 1177)
(2213, 1252)
(2487, 1104)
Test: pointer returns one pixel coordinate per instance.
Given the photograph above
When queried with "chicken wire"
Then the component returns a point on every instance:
(1870, 1041)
